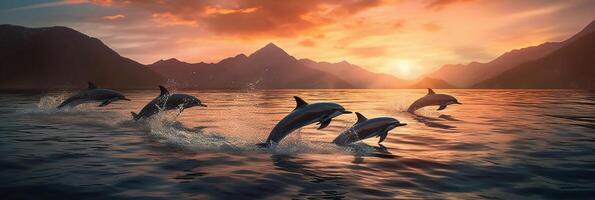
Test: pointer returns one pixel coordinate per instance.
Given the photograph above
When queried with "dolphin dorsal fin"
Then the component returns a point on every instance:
(164, 91)
(91, 86)
(300, 103)
(360, 118)
(430, 91)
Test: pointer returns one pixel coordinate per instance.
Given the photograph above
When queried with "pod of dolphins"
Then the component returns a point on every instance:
(304, 113)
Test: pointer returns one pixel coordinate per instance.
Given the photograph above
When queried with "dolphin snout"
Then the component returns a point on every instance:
(126, 99)
(346, 112)
(202, 105)
(401, 124)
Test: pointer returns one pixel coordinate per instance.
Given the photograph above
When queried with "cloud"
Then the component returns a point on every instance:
(218, 10)
(63, 3)
(432, 27)
(537, 11)
(99, 2)
(167, 18)
(248, 18)
(307, 43)
(113, 17)
(441, 4)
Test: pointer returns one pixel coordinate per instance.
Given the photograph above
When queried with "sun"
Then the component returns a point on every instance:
(405, 67)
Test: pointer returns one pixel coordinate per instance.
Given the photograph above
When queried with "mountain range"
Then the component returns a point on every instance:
(272, 67)
(60, 57)
(474, 73)
(269, 67)
(570, 67)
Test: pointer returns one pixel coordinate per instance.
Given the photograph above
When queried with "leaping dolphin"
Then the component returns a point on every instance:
(433, 99)
(366, 128)
(167, 101)
(303, 114)
(93, 94)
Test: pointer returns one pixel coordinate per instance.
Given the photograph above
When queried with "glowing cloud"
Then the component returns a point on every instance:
(113, 17)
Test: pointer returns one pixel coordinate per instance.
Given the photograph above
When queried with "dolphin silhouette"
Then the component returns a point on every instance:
(366, 128)
(433, 99)
(303, 114)
(167, 101)
(93, 94)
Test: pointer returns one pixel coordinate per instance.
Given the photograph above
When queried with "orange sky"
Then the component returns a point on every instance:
(403, 37)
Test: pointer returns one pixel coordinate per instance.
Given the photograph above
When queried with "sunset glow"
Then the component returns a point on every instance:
(405, 67)
(403, 38)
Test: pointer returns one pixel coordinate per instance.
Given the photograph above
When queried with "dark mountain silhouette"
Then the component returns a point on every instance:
(356, 75)
(268, 67)
(431, 83)
(570, 67)
(60, 57)
(475, 72)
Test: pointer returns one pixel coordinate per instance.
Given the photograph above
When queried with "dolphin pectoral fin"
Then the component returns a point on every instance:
(442, 107)
(65, 103)
(325, 123)
(71, 102)
(383, 136)
(106, 102)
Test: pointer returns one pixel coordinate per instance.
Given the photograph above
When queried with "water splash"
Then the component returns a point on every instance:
(164, 128)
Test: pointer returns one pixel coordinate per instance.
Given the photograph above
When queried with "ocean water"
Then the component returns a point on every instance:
(500, 144)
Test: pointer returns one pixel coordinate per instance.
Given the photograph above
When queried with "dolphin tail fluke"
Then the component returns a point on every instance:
(135, 116)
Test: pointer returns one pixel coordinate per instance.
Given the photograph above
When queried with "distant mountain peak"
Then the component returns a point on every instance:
(241, 56)
(270, 50)
(169, 61)
(61, 57)
(234, 60)
(172, 60)
(271, 45)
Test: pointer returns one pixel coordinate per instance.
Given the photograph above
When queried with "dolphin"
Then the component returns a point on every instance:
(93, 94)
(167, 101)
(433, 99)
(366, 128)
(303, 114)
